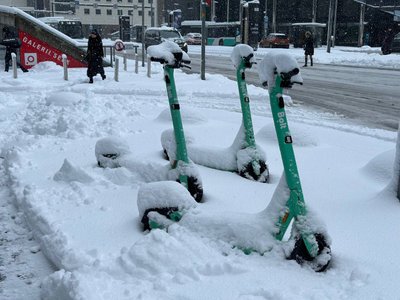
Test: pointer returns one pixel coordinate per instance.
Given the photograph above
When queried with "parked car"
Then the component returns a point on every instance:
(193, 38)
(396, 43)
(156, 35)
(275, 40)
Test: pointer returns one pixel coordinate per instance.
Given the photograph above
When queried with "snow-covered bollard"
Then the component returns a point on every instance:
(116, 69)
(14, 65)
(136, 64)
(65, 66)
(125, 63)
(148, 67)
(163, 202)
(108, 151)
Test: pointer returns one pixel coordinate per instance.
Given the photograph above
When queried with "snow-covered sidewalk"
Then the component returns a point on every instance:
(86, 218)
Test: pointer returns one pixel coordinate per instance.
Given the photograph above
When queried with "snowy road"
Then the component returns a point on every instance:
(368, 96)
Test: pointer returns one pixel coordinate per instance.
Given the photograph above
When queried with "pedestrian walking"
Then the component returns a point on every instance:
(387, 42)
(12, 43)
(94, 56)
(308, 48)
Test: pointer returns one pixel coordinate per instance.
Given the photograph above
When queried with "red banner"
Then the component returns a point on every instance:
(208, 2)
(34, 51)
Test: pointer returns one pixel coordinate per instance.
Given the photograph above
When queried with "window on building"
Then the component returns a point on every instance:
(150, 1)
(149, 13)
(108, 0)
(86, 11)
(109, 12)
(130, 12)
(139, 12)
(119, 0)
(98, 11)
(120, 12)
(140, 1)
(130, 1)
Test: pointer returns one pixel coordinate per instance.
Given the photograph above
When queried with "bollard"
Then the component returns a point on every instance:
(65, 66)
(14, 65)
(116, 69)
(148, 67)
(397, 164)
(136, 64)
(125, 63)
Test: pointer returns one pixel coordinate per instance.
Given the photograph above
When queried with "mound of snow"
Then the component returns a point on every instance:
(69, 173)
(63, 98)
(166, 51)
(301, 135)
(164, 194)
(189, 116)
(381, 166)
(110, 146)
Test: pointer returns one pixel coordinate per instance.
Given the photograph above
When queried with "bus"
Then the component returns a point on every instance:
(218, 33)
(72, 28)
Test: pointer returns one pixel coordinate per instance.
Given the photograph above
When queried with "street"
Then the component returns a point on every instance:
(368, 96)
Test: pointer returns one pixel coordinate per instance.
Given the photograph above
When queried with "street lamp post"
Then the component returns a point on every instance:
(203, 40)
(143, 50)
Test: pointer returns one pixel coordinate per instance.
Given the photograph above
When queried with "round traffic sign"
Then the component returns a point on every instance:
(119, 46)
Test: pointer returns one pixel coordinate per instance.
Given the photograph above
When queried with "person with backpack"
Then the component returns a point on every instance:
(12, 43)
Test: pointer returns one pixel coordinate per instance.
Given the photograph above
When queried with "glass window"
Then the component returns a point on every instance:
(98, 11)
(120, 13)
(109, 12)
(130, 12)
(139, 12)
(86, 11)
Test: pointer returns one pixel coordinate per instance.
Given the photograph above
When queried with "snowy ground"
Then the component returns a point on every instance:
(85, 219)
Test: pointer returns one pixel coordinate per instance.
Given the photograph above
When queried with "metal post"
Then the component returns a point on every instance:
(212, 10)
(227, 11)
(136, 63)
(152, 13)
(143, 50)
(361, 26)
(273, 15)
(266, 19)
(397, 159)
(14, 64)
(65, 66)
(125, 63)
(314, 11)
(334, 23)
(203, 41)
(116, 69)
(329, 31)
(148, 67)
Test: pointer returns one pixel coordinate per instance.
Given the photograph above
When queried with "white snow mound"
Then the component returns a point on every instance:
(166, 51)
(69, 173)
(240, 51)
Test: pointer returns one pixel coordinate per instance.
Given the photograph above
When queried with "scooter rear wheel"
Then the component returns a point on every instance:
(262, 175)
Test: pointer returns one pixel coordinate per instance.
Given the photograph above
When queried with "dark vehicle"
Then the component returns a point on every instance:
(72, 28)
(396, 43)
(193, 38)
(156, 35)
(275, 40)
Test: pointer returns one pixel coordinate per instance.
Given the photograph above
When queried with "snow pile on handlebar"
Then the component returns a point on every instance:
(165, 51)
(240, 51)
(277, 62)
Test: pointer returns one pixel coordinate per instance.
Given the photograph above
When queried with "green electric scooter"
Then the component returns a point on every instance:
(181, 163)
(308, 244)
(243, 156)
(256, 168)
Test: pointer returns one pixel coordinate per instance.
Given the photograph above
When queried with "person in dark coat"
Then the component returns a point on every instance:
(387, 42)
(94, 56)
(12, 44)
(308, 48)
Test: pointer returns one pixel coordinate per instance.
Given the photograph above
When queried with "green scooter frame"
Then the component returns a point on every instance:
(308, 244)
(191, 183)
(257, 168)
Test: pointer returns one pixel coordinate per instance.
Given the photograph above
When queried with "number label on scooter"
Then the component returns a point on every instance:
(288, 139)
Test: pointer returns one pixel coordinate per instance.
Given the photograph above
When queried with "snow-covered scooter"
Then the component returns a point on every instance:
(278, 71)
(113, 154)
(308, 244)
(243, 156)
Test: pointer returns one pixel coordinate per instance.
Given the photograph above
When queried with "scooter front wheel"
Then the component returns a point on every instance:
(195, 188)
(319, 263)
(255, 170)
